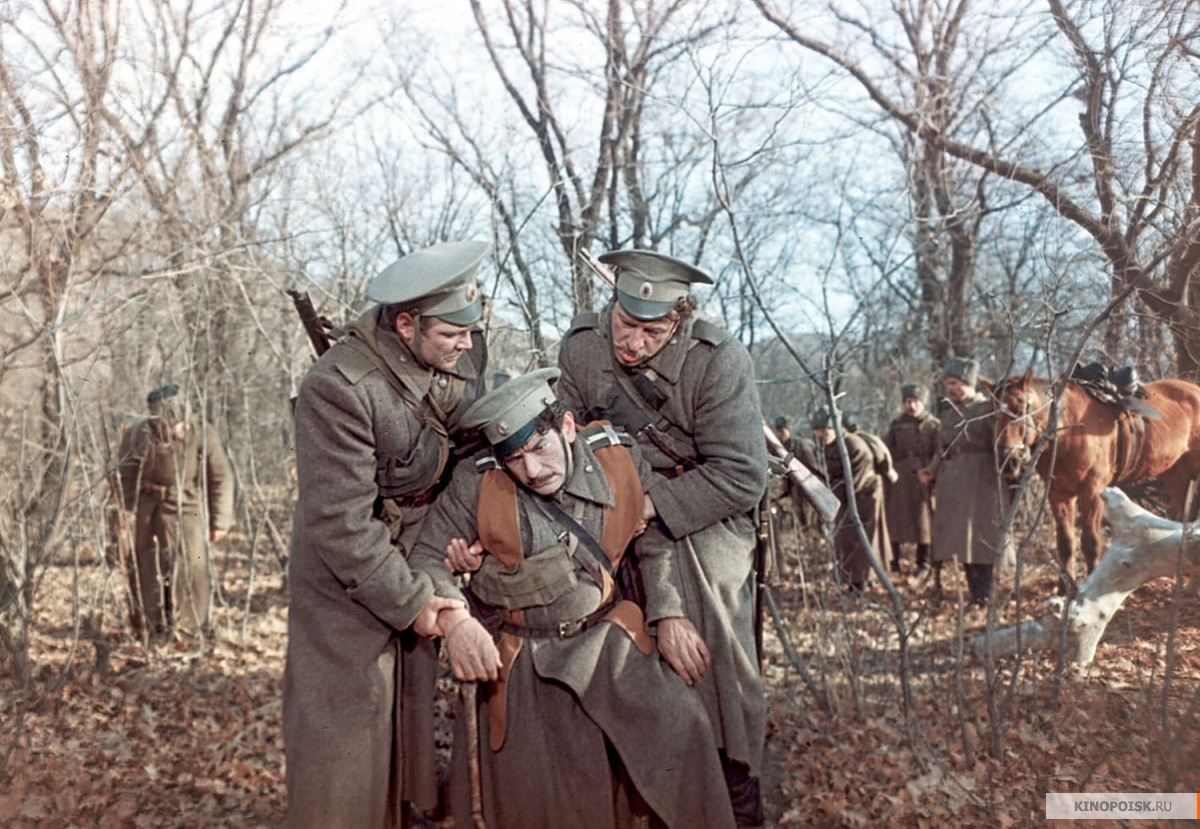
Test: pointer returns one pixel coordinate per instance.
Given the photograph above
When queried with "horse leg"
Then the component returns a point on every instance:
(1091, 511)
(1175, 481)
(1063, 510)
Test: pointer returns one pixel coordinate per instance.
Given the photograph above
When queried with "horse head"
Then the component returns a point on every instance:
(1020, 417)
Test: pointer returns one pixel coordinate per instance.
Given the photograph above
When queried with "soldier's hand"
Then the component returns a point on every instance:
(680, 644)
(925, 475)
(426, 623)
(473, 654)
(217, 535)
(648, 514)
(463, 558)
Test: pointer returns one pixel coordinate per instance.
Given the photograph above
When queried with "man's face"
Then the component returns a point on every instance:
(635, 341)
(958, 391)
(824, 437)
(783, 433)
(913, 406)
(441, 344)
(542, 464)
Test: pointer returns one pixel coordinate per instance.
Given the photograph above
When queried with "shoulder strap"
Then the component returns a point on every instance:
(353, 364)
(582, 322)
(707, 332)
(497, 522)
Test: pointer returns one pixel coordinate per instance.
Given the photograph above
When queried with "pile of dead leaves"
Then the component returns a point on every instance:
(173, 735)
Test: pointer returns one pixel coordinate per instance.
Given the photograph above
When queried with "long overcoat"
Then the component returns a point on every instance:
(358, 686)
(913, 443)
(568, 702)
(696, 559)
(854, 560)
(971, 495)
(179, 489)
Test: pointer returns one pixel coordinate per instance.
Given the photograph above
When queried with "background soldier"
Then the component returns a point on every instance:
(865, 484)
(801, 508)
(686, 390)
(584, 709)
(912, 439)
(374, 421)
(177, 480)
(971, 497)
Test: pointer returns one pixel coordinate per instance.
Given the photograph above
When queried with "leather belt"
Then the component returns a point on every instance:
(418, 500)
(563, 630)
(671, 471)
(159, 491)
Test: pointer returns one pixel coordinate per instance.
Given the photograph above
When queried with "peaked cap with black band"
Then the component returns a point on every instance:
(507, 416)
(437, 281)
(649, 284)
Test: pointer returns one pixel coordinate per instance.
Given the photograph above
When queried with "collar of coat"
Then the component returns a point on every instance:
(667, 363)
(400, 358)
(586, 480)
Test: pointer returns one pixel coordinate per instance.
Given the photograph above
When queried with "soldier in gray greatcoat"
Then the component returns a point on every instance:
(685, 389)
(376, 418)
(176, 479)
(912, 439)
(578, 722)
(971, 496)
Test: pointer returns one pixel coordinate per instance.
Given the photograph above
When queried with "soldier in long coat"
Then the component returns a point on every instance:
(176, 479)
(686, 390)
(912, 439)
(971, 495)
(375, 420)
(578, 722)
(865, 485)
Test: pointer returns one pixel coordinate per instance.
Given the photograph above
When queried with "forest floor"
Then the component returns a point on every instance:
(112, 733)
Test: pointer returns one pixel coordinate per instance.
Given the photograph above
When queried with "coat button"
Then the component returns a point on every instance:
(442, 382)
(589, 468)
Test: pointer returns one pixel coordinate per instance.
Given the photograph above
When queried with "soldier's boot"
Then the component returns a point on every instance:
(922, 558)
(895, 557)
(744, 793)
(936, 595)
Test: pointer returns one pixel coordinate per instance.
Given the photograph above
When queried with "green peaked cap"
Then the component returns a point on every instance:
(437, 281)
(506, 415)
(649, 283)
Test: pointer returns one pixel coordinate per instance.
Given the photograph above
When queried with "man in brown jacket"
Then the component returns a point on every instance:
(375, 421)
(864, 484)
(176, 479)
(912, 439)
(578, 719)
(686, 390)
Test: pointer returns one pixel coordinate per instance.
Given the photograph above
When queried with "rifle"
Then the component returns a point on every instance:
(764, 557)
(599, 268)
(813, 487)
(317, 327)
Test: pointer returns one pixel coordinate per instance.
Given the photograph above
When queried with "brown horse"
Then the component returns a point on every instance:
(1095, 446)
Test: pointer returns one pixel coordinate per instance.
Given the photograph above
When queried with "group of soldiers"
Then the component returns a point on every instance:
(579, 541)
(930, 482)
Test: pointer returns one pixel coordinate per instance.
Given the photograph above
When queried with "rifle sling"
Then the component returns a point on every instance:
(556, 514)
(660, 425)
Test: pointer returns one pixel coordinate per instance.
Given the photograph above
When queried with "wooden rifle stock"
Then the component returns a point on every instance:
(813, 487)
(315, 326)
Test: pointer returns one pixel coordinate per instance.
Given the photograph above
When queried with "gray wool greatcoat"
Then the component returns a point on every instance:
(568, 700)
(853, 560)
(913, 442)
(696, 559)
(359, 687)
(971, 496)
(178, 490)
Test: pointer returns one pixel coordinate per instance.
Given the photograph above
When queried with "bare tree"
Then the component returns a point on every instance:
(1127, 176)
